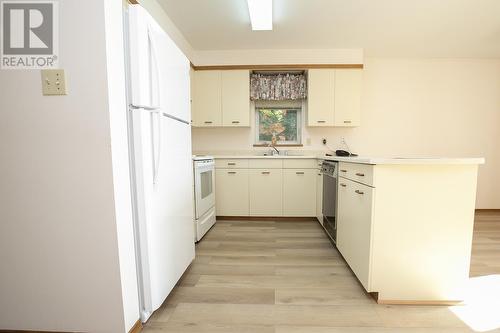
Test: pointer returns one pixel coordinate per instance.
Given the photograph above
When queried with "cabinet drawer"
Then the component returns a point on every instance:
(260, 163)
(223, 163)
(362, 173)
(299, 164)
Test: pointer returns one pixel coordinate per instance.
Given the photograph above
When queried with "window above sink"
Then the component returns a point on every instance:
(279, 124)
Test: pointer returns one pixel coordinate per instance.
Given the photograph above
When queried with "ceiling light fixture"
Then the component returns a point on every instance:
(261, 14)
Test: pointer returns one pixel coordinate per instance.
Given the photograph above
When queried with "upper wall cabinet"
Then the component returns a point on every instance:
(221, 98)
(334, 97)
(348, 85)
(206, 99)
(235, 98)
(320, 98)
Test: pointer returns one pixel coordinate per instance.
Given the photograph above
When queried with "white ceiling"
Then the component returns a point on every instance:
(416, 28)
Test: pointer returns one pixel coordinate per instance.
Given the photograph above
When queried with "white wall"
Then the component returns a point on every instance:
(60, 218)
(411, 107)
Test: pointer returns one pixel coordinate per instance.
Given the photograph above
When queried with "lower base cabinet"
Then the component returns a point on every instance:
(271, 187)
(266, 195)
(299, 191)
(231, 192)
(355, 202)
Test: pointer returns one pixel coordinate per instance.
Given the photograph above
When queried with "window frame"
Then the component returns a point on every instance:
(277, 107)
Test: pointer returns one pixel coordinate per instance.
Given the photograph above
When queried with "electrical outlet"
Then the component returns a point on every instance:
(53, 82)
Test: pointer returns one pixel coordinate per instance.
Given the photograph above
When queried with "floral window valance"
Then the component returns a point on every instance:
(278, 87)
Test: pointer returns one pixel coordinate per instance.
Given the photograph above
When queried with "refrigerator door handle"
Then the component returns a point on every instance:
(155, 132)
(144, 107)
(155, 90)
(155, 109)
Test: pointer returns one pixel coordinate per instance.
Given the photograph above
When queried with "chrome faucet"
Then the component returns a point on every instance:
(274, 147)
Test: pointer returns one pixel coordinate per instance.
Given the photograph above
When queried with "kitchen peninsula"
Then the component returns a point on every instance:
(387, 208)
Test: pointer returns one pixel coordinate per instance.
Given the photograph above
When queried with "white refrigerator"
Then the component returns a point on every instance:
(161, 166)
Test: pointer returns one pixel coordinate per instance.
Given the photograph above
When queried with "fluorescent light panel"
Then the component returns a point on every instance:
(261, 14)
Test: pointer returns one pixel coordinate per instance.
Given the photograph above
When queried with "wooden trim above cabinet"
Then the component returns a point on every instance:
(133, 2)
(277, 67)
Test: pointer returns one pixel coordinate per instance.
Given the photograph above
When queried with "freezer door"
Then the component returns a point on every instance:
(172, 68)
(140, 58)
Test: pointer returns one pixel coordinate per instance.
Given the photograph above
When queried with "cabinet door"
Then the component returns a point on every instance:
(206, 99)
(299, 192)
(319, 196)
(235, 98)
(231, 192)
(354, 225)
(266, 188)
(348, 85)
(320, 98)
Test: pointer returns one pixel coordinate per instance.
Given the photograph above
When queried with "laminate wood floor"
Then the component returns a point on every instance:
(277, 277)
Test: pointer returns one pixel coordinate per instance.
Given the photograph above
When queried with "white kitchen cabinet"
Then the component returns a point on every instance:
(206, 99)
(362, 173)
(334, 97)
(320, 98)
(221, 98)
(319, 196)
(347, 100)
(266, 192)
(231, 192)
(354, 225)
(299, 192)
(275, 186)
(235, 98)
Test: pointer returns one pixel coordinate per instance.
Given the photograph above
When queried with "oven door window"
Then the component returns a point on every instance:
(206, 183)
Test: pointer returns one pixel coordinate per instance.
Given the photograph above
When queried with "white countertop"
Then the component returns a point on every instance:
(368, 160)
(232, 157)
(405, 160)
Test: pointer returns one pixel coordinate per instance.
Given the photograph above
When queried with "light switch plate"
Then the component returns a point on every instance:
(53, 82)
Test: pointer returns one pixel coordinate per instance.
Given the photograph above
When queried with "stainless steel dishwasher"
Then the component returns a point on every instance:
(330, 173)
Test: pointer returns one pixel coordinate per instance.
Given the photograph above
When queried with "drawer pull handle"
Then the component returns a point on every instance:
(321, 121)
(208, 122)
(319, 174)
(359, 174)
(231, 172)
(347, 121)
(359, 192)
(343, 185)
(265, 172)
(299, 173)
(235, 122)
(231, 163)
(343, 170)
